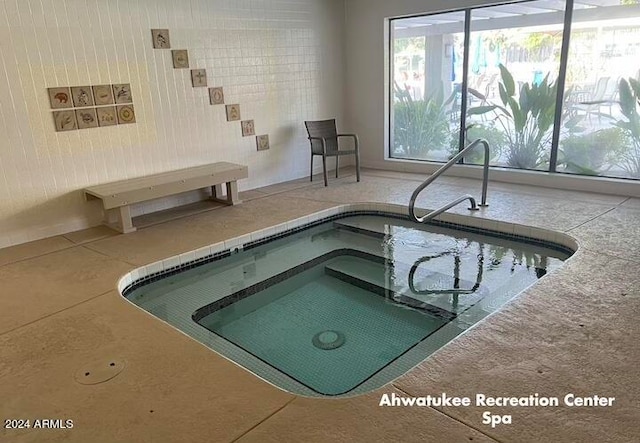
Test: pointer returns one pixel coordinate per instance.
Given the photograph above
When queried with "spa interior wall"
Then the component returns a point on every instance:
(282, 61)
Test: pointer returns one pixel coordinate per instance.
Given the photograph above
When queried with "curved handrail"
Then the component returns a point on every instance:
(439, 172)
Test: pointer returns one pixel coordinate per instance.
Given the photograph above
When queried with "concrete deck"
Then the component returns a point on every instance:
(573, 331)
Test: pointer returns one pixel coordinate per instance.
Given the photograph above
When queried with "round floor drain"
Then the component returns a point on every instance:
(99, 371)
(328, 340)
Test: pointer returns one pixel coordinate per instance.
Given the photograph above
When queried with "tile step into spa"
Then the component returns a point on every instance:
(403, 238)
(431, 292)
(429, 258)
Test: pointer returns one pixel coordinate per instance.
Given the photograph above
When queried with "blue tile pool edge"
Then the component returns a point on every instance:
(143, 276)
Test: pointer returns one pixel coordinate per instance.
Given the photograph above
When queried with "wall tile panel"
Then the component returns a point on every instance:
(273, 57)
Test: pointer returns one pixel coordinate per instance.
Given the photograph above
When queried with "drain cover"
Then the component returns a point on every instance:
(99, 372)
(328, 340)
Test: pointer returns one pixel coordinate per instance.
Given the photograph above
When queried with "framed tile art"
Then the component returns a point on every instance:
(160, 38)
(248, 128)
(87, 118)
(126, 114)
(82, 96)
(262, 142)
(216, 96)
(122, 93)
(60, 98)
(233, 112)
(103, 95)
(65, 120)
(199, 78)
(107, 116)
(180, 58)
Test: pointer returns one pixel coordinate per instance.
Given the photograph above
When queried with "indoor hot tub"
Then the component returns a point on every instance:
(347, 301)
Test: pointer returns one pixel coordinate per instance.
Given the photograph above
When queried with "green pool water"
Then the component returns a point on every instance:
(279, 326)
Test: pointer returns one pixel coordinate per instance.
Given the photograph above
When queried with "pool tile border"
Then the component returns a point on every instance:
(153, 272)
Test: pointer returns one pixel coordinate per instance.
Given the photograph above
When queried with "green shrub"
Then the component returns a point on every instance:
(592, 153)
(494, 136)
(526, 121)
(630, 125)
(420, 126)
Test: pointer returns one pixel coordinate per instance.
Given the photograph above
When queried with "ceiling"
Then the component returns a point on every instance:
(555, 8)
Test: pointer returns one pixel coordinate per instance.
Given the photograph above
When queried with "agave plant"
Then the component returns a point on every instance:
(526, 119)
(629, 105)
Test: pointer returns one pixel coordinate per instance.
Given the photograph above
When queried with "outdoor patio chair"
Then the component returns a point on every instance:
(323, 138)
(596, 99)
(610, 97)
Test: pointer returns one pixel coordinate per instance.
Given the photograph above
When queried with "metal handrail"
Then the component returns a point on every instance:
(439, 172)
(456, 275)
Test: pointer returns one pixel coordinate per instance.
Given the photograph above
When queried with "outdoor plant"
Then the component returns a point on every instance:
(630, 125)
(420, 125)
(526, 119)
(494, 136)
(591, 153)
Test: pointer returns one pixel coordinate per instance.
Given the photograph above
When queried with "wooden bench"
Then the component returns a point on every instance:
(118, 196)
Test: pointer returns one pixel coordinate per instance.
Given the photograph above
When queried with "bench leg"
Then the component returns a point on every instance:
(232, 193)
(216, 191)
(123, 221)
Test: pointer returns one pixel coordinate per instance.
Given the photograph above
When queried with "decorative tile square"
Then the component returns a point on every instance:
(247, 128)
(233, 113)
(262, 142)
(122, 93)
(107, 116)
(180, 58)
(216, 96)
(160, 38)
(199, 78)
(87, 118)
(82, 96)
(126, 114)
(60, 98)
(103, 95)
(65, 120)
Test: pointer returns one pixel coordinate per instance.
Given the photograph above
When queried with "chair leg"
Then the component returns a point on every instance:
(357, 166)
(337, 167)
(324, 170)
(311, 173)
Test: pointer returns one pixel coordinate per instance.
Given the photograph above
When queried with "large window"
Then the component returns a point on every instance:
(495, 73)
(601, 127)
(512, 82)
(426, 79)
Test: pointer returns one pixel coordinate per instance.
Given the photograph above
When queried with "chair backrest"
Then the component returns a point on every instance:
(600, 89)
(322, 128)
(612, 89)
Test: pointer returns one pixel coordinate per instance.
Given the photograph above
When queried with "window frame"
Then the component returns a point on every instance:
(561, 85)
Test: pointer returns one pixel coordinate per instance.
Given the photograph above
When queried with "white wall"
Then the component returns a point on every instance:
(283, 61)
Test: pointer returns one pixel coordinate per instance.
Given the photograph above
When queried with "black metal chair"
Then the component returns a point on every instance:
(323, 138)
